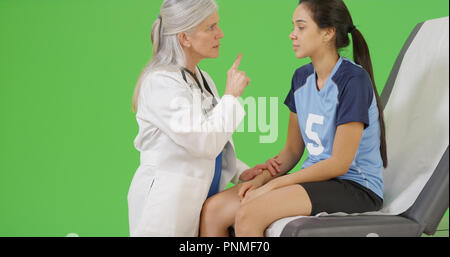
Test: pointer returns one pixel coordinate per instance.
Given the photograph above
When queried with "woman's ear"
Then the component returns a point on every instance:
(184, 39)
(329, 34)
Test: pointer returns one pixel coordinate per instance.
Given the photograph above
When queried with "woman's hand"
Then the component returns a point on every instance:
(252, 172)
(249, 186)
(250, 195)
(237, 80)
(273, 165)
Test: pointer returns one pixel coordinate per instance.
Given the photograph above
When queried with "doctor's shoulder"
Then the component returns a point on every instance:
(160, 87)
(163, 79)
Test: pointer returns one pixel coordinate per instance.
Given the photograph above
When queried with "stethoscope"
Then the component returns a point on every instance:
(183, 73)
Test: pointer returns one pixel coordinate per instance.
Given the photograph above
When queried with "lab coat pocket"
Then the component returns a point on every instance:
(174, 205)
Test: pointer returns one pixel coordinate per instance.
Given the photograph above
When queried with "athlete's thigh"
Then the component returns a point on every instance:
(283, 202)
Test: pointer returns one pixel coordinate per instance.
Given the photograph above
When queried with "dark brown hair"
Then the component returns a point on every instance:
(334, 13)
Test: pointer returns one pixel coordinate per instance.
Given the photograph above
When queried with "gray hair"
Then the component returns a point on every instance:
(175, 16)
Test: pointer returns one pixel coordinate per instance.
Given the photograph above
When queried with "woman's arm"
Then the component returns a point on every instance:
(292, 151)
(172, 107)
(345, 146)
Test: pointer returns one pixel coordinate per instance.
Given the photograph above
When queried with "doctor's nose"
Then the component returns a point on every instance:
(220, 34)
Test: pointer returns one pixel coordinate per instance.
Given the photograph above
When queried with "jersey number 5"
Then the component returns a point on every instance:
(313, 136)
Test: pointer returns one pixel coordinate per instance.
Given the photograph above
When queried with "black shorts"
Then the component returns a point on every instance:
(340, 195)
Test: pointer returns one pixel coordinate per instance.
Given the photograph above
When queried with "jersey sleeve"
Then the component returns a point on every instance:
(355, 100)
(290, 101)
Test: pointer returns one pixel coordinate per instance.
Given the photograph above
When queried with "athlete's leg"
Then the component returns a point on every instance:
(219, 211)
(254, 217)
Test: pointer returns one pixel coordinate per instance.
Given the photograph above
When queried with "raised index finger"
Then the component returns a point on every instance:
(237, 62)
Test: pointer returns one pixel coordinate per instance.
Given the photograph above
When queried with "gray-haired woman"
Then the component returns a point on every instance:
(185, 129)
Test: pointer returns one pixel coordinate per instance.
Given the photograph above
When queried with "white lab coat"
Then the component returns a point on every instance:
(177, 167)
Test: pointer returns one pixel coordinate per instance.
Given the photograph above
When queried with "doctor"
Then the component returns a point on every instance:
(185, 129)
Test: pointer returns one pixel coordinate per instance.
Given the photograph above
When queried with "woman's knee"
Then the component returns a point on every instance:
(211, 207)
(243, 219)
(215, 205)
(222, 206)
(241, 214)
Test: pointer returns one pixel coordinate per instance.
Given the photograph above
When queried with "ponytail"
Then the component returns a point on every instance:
(361, 56)
(156, 34)
(156, 37)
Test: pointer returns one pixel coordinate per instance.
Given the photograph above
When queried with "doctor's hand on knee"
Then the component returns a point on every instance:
(249, 186)
(250, 195)
(237, 80)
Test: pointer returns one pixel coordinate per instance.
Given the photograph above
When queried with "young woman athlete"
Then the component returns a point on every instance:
(335, 112)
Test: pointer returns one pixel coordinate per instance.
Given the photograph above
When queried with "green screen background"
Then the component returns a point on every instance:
(67, 74)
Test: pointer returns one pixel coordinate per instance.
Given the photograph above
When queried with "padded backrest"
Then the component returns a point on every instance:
(415, 99)
(432, 202)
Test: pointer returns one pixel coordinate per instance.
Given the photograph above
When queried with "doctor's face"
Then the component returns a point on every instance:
(205, 39)
(306, 36)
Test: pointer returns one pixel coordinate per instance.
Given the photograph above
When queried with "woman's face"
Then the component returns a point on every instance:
(205, 39)
(306, 37)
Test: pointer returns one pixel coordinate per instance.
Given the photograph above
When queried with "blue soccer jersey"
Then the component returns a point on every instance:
(347, 96)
